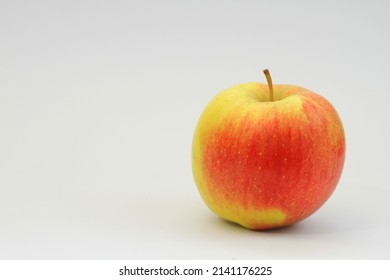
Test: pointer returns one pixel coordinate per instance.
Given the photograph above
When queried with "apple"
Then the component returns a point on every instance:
(267, 156)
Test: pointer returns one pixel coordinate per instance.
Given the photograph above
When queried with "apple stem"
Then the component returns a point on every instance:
(270, 86)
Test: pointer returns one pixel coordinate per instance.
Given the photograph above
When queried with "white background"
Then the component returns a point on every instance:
(99, 101)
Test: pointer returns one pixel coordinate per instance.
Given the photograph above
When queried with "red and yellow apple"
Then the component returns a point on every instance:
(267, 156)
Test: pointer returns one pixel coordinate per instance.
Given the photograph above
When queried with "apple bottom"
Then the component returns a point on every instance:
(251, 218)
(265, 200)
(256, 219)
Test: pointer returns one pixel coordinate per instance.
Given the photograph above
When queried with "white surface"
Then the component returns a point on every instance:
(99, 100)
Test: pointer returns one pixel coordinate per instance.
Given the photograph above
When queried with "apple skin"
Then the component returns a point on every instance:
(267, 164)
